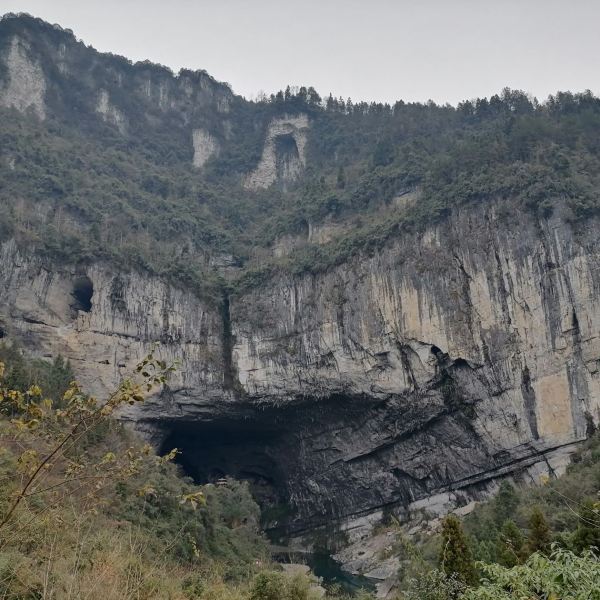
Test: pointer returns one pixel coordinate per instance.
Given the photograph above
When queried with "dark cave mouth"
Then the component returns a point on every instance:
(82, 293)
(279, 450)
(243, 449)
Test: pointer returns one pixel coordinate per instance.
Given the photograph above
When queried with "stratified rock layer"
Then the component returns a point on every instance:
(128, 313)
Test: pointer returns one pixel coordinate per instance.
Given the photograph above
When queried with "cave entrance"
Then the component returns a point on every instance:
(247, 450)
(287, 156)
(83, 290)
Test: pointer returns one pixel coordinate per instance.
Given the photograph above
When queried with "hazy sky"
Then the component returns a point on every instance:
(384, 50)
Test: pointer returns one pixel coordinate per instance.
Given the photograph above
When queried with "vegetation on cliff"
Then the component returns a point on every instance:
(77, 189)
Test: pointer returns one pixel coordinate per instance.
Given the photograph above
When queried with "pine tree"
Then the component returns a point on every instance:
(510, 545)
(505, 503)
(587, 534)
(384, 153)
(455, 555)
(539, 536)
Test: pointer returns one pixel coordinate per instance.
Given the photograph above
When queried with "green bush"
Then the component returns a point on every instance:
(563, 575)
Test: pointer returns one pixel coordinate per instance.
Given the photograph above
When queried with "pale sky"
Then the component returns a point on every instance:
(383, 50)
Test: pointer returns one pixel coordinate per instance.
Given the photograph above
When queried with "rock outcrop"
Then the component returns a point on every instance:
(25, 87)
(103, 322)
(110, 113)
(284, 152)
(205, 146)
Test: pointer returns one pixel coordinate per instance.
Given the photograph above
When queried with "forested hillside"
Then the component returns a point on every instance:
(76, 186)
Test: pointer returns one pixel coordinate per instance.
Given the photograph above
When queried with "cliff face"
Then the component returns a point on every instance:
(104, 321)
(46, 72)
(48, 69)
(25, 85)
(449, 358)
(284, 152)
(411, 378)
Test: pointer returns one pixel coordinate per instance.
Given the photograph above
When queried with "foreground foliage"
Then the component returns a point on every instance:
(88, 511)
(528, 543)
(561, 576)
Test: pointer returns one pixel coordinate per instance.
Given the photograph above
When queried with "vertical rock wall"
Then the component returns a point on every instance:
(25, 85)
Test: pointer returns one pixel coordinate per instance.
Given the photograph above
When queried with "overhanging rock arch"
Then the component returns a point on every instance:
(284, 153)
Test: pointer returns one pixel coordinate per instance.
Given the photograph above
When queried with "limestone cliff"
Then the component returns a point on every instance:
(449, 358)
(45, 69)
(25, 85)
(407, 379)
(205, 146)
(103, 322)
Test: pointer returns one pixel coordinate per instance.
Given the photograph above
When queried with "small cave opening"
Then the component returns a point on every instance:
(287, 156)
(244, 449)
(436, 351)
(285, 145)
(83, 291)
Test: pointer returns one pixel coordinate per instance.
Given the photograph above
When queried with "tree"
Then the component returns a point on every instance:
(313, 97)
(434, 585)
(587, 534)
(539, 536)
(384, 153)
(510, 545)
(562, 575)
(268, 585)
(47, 438)
(341, 178)
(455, 555)
(505, 503)
(331, 103)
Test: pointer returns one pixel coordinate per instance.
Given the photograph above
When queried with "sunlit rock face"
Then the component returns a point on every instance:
(110, 113)
(414, 377)
(451, 357)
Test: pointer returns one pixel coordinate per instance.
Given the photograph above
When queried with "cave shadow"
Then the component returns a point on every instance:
(244, 449)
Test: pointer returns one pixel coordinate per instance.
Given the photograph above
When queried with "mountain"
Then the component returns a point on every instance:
(376, 309)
